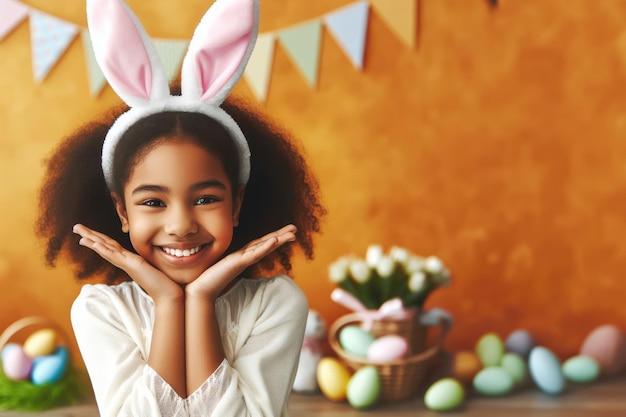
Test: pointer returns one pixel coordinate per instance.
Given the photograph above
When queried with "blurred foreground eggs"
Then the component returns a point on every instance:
(332, 378)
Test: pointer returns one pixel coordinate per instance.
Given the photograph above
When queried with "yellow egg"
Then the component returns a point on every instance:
(40, 343)
(333, 377)
(465, 366)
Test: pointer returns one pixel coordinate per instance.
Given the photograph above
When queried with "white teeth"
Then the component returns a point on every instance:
(179, 253)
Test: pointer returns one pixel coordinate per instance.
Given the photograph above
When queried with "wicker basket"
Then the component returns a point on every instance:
(26, 396)
(400, 379)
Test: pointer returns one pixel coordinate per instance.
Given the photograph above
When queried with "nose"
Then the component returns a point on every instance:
(180, 222)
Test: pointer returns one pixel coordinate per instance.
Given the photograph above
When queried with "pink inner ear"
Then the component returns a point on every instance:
(220, 53)
(122, 52)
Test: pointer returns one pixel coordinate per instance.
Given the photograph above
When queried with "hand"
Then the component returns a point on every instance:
(154, 282)
(210, 284)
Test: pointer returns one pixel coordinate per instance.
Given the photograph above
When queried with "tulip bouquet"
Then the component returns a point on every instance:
(381, 277)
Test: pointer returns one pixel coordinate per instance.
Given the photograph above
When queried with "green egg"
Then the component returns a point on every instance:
(444, 395)
(493, 381)
(355, 340)
(364, 387)
(581, 369)
(490, 350)
(515, 366)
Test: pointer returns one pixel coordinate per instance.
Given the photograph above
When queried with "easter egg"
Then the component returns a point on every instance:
(444, 395)
(40, 343)
(364, 388)
(490, 349)
(332, 378)
(515, 366)
(493, 381)
(465, 366)
(16, 363)
(50, 368)
(8, 347)
(581, 369)
(520, 342)
(387, 348)
(355, 340)
(545, 370)
(607, 345)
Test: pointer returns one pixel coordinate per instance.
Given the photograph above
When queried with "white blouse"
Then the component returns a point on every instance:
(262, 325)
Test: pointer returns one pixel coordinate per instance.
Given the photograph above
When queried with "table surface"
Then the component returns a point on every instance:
(602, 399)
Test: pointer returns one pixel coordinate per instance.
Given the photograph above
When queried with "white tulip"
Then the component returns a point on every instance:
(373, 255)
(433, 265)
(417, 281)
(399, 254)
(360, 271)
(385, 266)
(338, 271)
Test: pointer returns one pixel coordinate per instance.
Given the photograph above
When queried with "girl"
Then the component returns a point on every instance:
(178, 202)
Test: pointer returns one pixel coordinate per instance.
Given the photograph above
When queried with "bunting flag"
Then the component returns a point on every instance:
(12, 14)
(400, 16)
(302, 42)
(50, 38)
(257, 73)
(94, 73)
(348, 26)
(171, 53)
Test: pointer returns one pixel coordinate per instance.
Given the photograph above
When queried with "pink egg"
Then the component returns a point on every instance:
(387, 348)
(607, 345)
(16, 364)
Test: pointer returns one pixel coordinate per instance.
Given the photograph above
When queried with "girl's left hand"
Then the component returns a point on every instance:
(210, 284)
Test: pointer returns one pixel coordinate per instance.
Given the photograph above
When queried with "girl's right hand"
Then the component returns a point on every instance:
(154, 282)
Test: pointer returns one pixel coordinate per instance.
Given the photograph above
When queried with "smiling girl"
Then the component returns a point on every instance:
(181, 203)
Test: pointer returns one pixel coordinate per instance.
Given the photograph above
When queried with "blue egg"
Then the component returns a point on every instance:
(50, 368)
(545, 369)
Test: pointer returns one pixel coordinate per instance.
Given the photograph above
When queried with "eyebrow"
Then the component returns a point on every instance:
(162, 189)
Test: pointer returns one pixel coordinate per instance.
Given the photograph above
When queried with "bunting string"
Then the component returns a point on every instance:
(51, 36)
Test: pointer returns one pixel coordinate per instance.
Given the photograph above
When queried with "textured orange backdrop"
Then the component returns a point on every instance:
(498, 144)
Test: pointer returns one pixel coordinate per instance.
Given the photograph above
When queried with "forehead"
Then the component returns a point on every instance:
(176, 162)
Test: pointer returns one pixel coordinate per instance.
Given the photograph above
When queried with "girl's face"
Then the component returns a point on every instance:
(178, 209)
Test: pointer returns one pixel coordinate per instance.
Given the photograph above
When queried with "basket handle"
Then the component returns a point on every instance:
(25, 322)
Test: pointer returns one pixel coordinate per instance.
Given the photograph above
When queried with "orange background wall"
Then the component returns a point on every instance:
(498, 144)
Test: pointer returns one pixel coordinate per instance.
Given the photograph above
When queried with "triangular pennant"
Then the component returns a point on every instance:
(94, 73)
(303, 43)
(50, 38)
(172, 53)
(348, 26)
(12, 14)
(401, 16)
(259, 69)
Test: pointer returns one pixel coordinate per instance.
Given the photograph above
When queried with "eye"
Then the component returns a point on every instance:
(206, 199)
(153, 203)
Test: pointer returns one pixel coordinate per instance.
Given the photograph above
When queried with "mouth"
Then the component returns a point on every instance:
(181, 253)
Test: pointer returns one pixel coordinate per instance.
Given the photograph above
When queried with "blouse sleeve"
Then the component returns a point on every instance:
(112, 343)
(262, 334)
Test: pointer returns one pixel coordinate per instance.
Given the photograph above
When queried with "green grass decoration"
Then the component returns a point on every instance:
(26, 396)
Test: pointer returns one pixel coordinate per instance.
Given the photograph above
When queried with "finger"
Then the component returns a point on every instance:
(284, 234)
(93, 235)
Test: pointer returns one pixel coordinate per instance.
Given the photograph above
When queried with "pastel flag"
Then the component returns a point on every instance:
(400, 16)
(302, 43)
(12, 13)
(259, 69)
(172, 52)
(348, 25)
(94, 73)
(50, 38)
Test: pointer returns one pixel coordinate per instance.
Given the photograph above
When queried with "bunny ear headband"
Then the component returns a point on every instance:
(215, 61)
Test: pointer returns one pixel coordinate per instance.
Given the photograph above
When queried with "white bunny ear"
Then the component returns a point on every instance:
(125, 53)
(219, 50)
